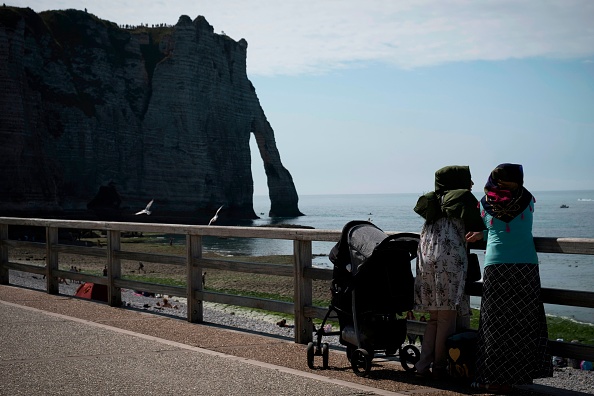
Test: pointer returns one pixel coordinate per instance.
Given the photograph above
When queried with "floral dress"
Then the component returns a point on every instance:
(441, 267)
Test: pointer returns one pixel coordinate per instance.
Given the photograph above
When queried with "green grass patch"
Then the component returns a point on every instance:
(155, 280)
(569, 330)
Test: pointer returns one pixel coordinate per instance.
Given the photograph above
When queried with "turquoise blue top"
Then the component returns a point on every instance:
(510, 243)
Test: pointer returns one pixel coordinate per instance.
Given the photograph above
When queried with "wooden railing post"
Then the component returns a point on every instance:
(51, 260)
(303, 291)
(194, 276)
(3, 255)
(114, 268)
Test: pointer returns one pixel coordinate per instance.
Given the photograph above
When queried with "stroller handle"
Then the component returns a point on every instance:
(405, 235)
(409, 240)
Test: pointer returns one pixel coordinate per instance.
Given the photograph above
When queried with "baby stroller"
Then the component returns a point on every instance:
(372, 285)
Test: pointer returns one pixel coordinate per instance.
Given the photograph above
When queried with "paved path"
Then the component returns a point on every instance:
(52, 354)
(59, 345)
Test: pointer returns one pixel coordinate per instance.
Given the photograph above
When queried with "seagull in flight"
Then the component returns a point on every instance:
(146, 210)
(216, 216)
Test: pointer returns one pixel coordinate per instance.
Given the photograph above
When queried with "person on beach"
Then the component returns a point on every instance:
(449, 212)
(512, 336)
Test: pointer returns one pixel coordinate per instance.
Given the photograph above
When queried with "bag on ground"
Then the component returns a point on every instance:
(461, 349)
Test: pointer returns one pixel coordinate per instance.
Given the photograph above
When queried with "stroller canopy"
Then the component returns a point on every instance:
(376, 265)
(357, 243)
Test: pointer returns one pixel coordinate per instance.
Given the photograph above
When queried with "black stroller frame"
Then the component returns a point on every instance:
(372, 285)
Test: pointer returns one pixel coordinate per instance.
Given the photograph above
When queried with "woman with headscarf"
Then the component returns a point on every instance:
(449, 212)
(512, 337)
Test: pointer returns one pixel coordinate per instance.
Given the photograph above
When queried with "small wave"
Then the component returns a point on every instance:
(585, 199)
(573, 320)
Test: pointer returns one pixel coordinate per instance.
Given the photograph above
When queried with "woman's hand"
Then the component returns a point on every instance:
(474, 236)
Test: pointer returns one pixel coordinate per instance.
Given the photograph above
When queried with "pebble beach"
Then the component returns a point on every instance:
(239, 318)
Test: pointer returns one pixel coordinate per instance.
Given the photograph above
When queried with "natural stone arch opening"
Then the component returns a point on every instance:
(258, 174)
(281, 190)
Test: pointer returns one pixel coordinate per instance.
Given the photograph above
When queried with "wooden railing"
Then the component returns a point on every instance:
(302, 271)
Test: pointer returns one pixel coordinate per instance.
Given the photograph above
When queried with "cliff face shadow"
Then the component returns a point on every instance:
(100, 103)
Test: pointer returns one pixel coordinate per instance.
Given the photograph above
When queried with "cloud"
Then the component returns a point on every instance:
(297, 37)
(316, 37)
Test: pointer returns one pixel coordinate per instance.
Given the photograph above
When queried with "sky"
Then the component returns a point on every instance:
(372, 97)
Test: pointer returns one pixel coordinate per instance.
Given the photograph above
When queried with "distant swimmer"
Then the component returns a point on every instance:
(146, 210)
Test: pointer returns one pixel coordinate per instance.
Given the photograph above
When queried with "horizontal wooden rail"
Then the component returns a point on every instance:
(23, 244)
(315, 312)
(251, 267)
(318, 273)
(150, 257)
(248, 302)
(34, 269)
(80, 250)
(575, 298)
(555, 245)
(565, 245)
(302, 234)
(177, 291)
(571, 350)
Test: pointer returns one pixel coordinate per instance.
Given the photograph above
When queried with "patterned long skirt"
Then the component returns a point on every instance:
(513, 335)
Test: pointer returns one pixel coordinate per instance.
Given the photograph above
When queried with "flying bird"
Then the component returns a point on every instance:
(146, 210)
(216, 216)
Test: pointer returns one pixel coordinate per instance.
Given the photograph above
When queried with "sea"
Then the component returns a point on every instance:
(557, 214)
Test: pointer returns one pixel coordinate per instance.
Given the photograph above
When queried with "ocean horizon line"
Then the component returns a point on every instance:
(409, 193)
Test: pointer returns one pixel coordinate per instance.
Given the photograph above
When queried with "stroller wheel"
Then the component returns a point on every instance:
(409, 356)
(310, 355)
(325, 355)
(361, 362)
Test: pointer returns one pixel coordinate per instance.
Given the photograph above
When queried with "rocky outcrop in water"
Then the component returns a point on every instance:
(166, 113)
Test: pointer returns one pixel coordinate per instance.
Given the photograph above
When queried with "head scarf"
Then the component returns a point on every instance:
(501, 202)
(451, 198)
(454, 177)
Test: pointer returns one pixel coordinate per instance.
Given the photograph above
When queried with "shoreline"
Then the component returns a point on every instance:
(577, 322)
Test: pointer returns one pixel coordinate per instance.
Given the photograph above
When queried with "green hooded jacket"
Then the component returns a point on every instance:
(451, 198)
